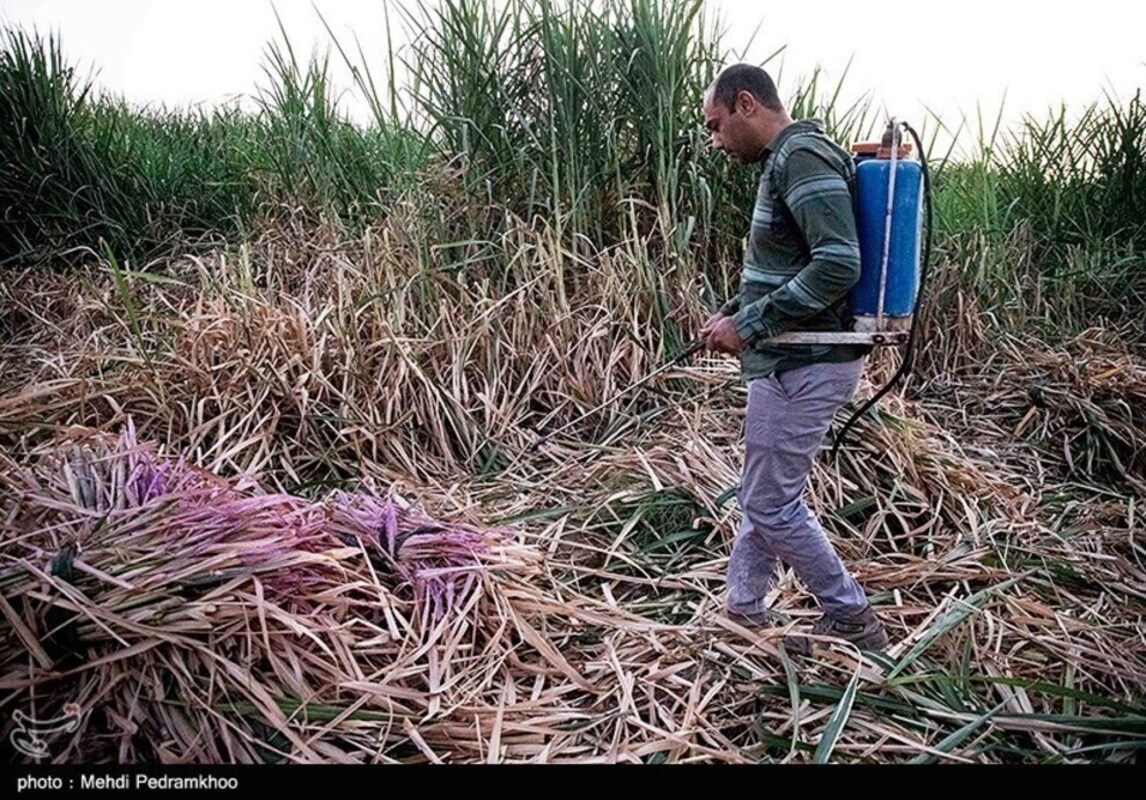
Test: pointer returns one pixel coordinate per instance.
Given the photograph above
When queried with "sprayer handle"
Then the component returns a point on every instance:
(692, 348)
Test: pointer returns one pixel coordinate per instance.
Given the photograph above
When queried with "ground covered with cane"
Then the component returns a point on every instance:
(268, 496)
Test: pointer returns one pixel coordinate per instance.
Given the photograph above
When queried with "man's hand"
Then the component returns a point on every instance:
(720, 335)
(709, 324)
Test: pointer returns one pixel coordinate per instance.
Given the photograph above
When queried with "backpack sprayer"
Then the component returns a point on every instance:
(891, 194)
(902, 188)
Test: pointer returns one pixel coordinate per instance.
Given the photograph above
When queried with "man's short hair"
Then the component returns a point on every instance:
(746, 77)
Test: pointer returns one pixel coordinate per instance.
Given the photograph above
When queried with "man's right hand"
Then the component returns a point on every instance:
(706, 329)
(723, 338)
(712, 322)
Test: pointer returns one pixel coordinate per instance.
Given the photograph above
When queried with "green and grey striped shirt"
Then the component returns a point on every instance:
(803, 254)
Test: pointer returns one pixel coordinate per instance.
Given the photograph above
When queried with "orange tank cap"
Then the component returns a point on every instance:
(904, 151)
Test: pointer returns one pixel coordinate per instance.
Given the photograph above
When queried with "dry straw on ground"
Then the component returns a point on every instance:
(359, 559)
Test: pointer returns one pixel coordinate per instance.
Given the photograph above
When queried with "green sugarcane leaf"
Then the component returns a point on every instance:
(952, 619)
(837, 722)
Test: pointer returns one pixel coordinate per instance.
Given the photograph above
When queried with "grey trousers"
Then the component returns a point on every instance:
(787, 417)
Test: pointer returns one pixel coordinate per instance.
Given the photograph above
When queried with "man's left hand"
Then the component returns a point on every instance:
(724, 338)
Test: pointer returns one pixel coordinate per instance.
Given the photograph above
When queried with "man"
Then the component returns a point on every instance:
(802, 259)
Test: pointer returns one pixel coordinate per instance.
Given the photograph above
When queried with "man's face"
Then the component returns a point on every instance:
(730, 130)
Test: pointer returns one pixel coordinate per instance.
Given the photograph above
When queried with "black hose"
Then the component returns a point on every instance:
(909, 351)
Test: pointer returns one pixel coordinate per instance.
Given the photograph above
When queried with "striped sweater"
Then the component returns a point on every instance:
(802, 256)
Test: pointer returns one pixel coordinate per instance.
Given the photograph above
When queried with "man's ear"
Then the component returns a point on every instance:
(745, 102)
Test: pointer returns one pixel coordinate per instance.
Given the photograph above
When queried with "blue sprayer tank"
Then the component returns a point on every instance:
(873, 173)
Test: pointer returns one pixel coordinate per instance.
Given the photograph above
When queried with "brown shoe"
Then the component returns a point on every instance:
(756, 619)
(864, 630)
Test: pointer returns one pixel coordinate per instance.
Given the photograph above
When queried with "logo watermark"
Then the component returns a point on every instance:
(27, 736)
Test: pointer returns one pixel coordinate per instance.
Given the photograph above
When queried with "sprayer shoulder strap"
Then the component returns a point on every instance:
(815, 143)
(842, 164)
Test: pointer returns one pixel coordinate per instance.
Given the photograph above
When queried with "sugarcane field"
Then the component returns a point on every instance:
(604, 397)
